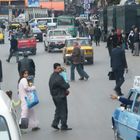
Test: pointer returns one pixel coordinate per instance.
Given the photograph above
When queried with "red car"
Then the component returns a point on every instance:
(27, 43)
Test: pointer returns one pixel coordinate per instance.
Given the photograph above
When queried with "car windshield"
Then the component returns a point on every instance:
(36, 30)
(4, 132)
(82, 42)
(57, 33)
(42, 22)
(23, 36)
(65, 21)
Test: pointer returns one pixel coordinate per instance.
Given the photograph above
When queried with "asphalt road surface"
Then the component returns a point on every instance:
(89, 103)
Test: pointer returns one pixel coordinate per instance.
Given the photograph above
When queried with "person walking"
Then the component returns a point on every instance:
(58, 89)
(91, 32)
(136, 42)
(118, 64)
(97, 35)
(23, 88)
(27, 64)
(1, 75)
(76, 63)
(13, 48)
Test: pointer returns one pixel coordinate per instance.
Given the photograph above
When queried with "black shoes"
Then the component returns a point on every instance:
(82, 78)
(35, 128)
(55, 127)
(7, 60)
(65, 128)
(120, 94)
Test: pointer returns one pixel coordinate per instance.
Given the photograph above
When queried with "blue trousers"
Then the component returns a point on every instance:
(80, 71)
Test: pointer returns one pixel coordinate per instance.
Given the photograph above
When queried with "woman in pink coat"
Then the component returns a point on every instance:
(24, 88)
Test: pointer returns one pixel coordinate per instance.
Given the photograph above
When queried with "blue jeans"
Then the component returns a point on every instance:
(80, 71)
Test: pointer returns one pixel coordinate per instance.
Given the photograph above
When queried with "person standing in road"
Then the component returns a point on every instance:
(1, 76)
(76, 63)
(13, 48)
(27, 64)
(97, 35)
(118, 64)
(58, 89)
(24, 87)
(136, 42)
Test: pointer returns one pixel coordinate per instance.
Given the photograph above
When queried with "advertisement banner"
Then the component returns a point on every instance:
(33, 3)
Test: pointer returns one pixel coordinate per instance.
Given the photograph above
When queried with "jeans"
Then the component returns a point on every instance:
(80, 71)
(119, 79)
(12, 52)
(61, 112)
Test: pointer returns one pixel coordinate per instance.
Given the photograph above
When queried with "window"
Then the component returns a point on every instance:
(4, 132)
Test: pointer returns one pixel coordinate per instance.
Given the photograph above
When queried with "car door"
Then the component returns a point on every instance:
(133, 120)
(124, 117)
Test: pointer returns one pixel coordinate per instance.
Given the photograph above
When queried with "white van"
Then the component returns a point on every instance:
(51, 21)
(9, 129)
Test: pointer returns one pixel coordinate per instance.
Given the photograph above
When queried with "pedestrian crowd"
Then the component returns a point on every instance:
(88, 30)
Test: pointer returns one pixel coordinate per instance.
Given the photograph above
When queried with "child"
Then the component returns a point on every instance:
(14, 103)
(63, 73)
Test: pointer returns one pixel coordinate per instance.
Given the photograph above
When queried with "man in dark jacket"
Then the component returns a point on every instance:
(27, 64)
(1, 72)
(13, 48)
(118, 64)
(76, 63)
(58, 88)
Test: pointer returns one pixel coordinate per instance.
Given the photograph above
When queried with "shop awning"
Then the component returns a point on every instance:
(53, 5)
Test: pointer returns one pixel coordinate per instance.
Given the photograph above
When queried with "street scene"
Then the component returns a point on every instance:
(70, 74)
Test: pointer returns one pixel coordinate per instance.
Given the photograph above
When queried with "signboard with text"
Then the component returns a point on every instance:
(33, 3)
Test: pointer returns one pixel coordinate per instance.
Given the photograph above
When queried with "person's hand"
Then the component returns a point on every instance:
(114, 97)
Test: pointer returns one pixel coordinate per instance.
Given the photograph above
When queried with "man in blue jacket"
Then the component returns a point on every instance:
(118, 64)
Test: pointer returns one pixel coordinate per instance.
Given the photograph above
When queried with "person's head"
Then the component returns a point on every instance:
(9, 94)
(24, 74)
(25, 54)
(75, 44)
(63, 69)
(57, 67)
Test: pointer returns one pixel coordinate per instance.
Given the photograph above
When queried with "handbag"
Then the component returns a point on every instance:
(24, 123)
(32, 99)
(111, 75)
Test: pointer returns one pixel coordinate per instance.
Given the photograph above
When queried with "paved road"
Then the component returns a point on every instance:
(90, 107)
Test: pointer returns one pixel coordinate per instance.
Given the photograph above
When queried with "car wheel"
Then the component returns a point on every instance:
(2, 41)
(67, 62)
(90, 60)
(116, 135)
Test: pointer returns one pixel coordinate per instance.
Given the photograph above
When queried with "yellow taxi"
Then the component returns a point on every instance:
(42, 25)
(85, 44)
(1, 38)
(14, 25)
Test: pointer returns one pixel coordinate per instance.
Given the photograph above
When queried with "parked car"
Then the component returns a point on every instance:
(9, 128)
(126, 118)
(85, 44)
(1, 38)
(37, 34)
(27, 43)
(55, 39)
